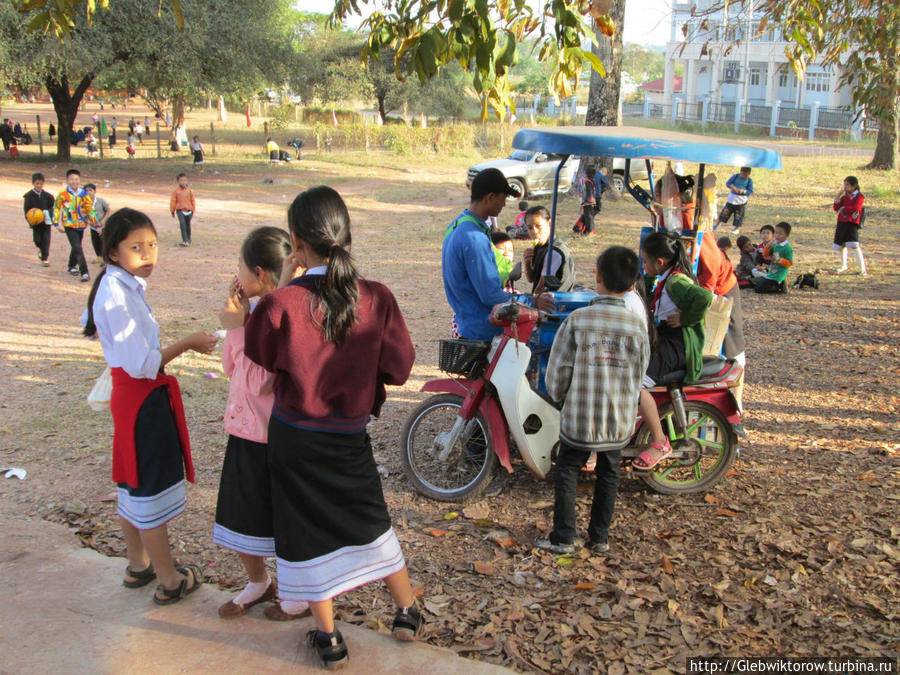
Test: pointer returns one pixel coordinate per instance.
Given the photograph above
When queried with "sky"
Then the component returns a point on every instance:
(646, 21)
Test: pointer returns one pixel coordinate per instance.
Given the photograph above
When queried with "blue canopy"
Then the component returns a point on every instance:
(645, 143)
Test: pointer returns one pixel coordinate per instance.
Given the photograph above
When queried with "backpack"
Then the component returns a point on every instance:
(808, 280)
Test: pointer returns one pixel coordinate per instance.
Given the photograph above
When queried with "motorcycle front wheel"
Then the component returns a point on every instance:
(465, 469)
(709, 443)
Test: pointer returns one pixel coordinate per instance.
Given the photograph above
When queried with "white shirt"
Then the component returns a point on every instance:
(665, 307)
(635, 303)
(126, 327)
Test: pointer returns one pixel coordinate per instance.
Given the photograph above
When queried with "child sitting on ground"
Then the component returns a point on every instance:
(782, 255)
(749, 256)
(767, 236)
(724, 244)
(599, 383)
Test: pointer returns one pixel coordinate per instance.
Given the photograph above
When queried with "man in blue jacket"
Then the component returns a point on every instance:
(468, 264)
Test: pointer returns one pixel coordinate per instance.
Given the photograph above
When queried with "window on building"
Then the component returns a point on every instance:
(757, 77)
(818, 82)
(782, 78)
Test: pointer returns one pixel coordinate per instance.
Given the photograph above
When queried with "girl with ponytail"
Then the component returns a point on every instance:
(678, 309)
(333, 341)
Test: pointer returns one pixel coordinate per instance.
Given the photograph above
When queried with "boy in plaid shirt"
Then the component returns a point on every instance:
(597, 362)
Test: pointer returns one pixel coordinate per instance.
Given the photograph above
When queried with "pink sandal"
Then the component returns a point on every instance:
(646, 459)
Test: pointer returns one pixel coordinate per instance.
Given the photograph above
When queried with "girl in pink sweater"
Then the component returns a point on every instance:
(244, 509)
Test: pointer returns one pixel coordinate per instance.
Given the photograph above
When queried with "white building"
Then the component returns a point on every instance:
(754, 72)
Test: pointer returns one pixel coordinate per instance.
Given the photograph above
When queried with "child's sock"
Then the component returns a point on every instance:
(294, 606)
(252, 591)
(861, 260)
(843, 266)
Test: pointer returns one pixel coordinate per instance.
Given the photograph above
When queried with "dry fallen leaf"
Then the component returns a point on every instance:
(485, 568)
(711, 499)
(584, 586)
(726, 512)
(435, 532)
(667, 565)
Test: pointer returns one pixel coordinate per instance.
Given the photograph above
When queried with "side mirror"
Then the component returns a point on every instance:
(540, 159)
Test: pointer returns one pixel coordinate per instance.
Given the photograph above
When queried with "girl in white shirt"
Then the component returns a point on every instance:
(151, 449)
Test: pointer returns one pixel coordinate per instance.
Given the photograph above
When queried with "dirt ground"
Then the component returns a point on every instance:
(795, 553)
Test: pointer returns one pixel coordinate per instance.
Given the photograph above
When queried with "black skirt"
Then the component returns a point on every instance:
(668, 356)
(845, 233)
(244, 507)
(160, 494)
(331, 524)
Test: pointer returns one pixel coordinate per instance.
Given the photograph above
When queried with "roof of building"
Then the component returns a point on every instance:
(659, 84)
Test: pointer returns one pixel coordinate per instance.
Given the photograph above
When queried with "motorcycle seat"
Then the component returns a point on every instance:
(712, 365)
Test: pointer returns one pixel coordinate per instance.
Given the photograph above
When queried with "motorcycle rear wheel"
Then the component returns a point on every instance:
(711, 447)
(470, 464)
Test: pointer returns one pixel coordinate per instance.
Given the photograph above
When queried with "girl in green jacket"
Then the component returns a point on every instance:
(678, 309)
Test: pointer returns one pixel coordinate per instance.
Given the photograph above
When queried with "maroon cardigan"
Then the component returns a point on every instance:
(319, 385)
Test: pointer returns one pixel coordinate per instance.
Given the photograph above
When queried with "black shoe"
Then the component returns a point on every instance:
(407, 623)
(599, 546)
(330, 647)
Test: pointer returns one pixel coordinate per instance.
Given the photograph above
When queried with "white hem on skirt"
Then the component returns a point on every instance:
(145, 513)
(341, 570)
(243, 543)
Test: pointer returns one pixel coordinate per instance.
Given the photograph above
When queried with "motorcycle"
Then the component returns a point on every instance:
(453, 442)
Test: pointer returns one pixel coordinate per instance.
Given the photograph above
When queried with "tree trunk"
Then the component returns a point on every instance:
(177, 110)
(223, 114)
(603, 99)
(886, 145)
(65, 103)
(381, 111)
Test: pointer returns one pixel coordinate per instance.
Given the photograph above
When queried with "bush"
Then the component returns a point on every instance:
(280, 117)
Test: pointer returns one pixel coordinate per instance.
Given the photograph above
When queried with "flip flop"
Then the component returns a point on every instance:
(646, 459)
(140, 578)
(181, 590)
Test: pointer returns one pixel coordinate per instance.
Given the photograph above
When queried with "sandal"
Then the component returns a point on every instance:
(330, 648)
(139, 578)
(181, 590)
(231, 609)
(408, 624)
(646, 459)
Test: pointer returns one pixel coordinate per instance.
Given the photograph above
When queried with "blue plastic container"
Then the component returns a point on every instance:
(542, 338)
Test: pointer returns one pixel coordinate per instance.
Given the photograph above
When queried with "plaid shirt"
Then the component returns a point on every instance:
(597, 362)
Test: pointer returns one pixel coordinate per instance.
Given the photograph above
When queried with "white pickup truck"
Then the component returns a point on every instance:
(532, 173)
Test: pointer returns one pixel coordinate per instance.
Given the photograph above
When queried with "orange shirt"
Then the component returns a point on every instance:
(182, 200)
(715, 272)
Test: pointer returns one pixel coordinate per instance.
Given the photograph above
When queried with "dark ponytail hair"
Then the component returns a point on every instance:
(116, 229)
(266, 247)
(319, 217)
(671, 249)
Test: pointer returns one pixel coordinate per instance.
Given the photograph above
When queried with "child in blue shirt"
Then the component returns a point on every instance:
(740, 187)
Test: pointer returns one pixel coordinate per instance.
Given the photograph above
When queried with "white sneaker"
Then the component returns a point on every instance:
(841, 269)
(73, 271)
(735, 231)
(85, 277)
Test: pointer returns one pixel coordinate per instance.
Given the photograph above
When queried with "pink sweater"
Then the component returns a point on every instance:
(250, 396)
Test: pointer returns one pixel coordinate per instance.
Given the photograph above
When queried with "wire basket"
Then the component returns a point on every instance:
(462, 357)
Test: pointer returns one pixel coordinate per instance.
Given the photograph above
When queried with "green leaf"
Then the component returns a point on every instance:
(595, 62)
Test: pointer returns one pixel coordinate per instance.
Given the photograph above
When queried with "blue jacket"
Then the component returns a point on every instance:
(471, 280)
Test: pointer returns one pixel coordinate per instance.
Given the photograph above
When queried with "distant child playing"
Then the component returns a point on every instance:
(38, 198)
(151, 449)
(333, 340)
(183, 205)
(244, 510)
(196, 148)
(849, 207)
(74, 211)
(740, 187)
(766, 237)
(773, 280)
(519, 230)
(596, 365)
(101, 211)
